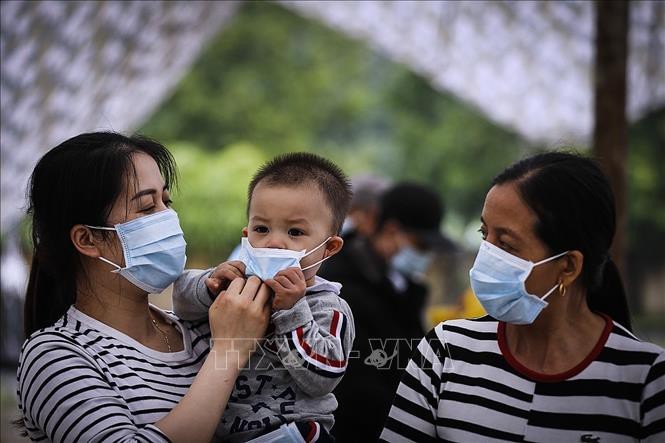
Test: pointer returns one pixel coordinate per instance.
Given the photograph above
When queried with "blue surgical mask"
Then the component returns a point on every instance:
(154, 250)
(411, 262)
(347, 226)
(266, 262)
(497, 279)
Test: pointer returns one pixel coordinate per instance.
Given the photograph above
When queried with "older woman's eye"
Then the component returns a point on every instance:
(483, 233)
(168, 202)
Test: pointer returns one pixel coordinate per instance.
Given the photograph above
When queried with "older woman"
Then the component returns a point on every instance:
(555, 359)
(100, 362)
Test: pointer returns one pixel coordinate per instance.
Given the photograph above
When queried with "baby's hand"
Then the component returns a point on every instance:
(289, 287)
(223, 275)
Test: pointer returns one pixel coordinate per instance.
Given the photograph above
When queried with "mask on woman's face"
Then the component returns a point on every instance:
(266, 262)
(497, 279)
(154, 250)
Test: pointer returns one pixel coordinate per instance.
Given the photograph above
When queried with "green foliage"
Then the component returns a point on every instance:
(211, 198)
(282, 83)
(273, 82)
(646, 193)
(449, 145)
(271, 78)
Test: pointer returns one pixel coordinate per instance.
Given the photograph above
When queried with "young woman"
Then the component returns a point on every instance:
(101, 363)
(555, 359)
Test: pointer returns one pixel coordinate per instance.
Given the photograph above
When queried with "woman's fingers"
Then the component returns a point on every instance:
(263, 297)
(235, 287)
(251, 287)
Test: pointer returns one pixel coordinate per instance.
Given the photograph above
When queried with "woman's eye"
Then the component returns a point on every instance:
(147, 209)
(293, 232)
(168, 203)
(483, 234)
(260, 229)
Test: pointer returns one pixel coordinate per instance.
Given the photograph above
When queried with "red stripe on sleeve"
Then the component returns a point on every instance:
(314, 355)
(333, 324)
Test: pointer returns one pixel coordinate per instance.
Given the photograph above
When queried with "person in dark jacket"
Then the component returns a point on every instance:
(382, 277)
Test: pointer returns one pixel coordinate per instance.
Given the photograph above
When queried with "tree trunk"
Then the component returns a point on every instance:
(610, 135)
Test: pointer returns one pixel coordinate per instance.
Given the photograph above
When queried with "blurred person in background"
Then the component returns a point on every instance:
(382, 275)
(555, 359)
(100, 362)
(364, 209)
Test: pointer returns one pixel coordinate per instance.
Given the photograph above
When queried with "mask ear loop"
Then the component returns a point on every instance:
(110, 263)
(318, 262)
(560, 285)
(106, 228)
(554, 257)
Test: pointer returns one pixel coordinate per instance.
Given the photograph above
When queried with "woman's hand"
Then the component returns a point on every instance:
(239, 317)
(224, 274)
(289, 286)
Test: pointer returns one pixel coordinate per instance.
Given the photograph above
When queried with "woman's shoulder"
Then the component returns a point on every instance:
(627, 344)
(470, 334)
(484, 327)
(66, 336)
(65, 331)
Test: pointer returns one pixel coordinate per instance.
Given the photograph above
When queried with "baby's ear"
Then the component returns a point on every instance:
(334, 245)
(244, 231)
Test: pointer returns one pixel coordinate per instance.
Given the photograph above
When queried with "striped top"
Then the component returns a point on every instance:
(462, 385)
(81, 380)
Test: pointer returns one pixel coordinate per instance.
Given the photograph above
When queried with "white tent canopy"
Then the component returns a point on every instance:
(69, 67)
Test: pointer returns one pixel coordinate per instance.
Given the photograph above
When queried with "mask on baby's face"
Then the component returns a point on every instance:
(266, 262)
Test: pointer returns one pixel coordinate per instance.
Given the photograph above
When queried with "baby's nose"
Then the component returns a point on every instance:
(275, 242)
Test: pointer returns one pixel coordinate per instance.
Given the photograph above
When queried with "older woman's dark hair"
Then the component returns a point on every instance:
(574, 204)
(76, 182)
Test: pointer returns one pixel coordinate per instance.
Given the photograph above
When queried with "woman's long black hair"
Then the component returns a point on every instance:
(574, 204)
(76, 182)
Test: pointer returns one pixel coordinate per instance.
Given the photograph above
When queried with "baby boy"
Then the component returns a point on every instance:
(297, 203)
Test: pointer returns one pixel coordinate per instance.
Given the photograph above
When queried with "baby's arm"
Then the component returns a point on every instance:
(190, 296)
(314, 345)
(195, 290)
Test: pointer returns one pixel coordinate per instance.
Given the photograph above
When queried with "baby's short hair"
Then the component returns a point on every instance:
(297, 168)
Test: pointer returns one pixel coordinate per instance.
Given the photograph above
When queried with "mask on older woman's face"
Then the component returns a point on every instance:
(497, 279)
(154, 250)
(266, 262)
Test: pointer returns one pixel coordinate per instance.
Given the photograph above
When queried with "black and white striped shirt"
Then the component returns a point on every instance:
(463, 385)
(81, 380)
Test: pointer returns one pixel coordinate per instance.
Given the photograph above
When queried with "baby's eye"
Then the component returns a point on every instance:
(293, 232)
(260, 229)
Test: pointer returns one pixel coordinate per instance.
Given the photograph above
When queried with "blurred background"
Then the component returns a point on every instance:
(445, 93)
